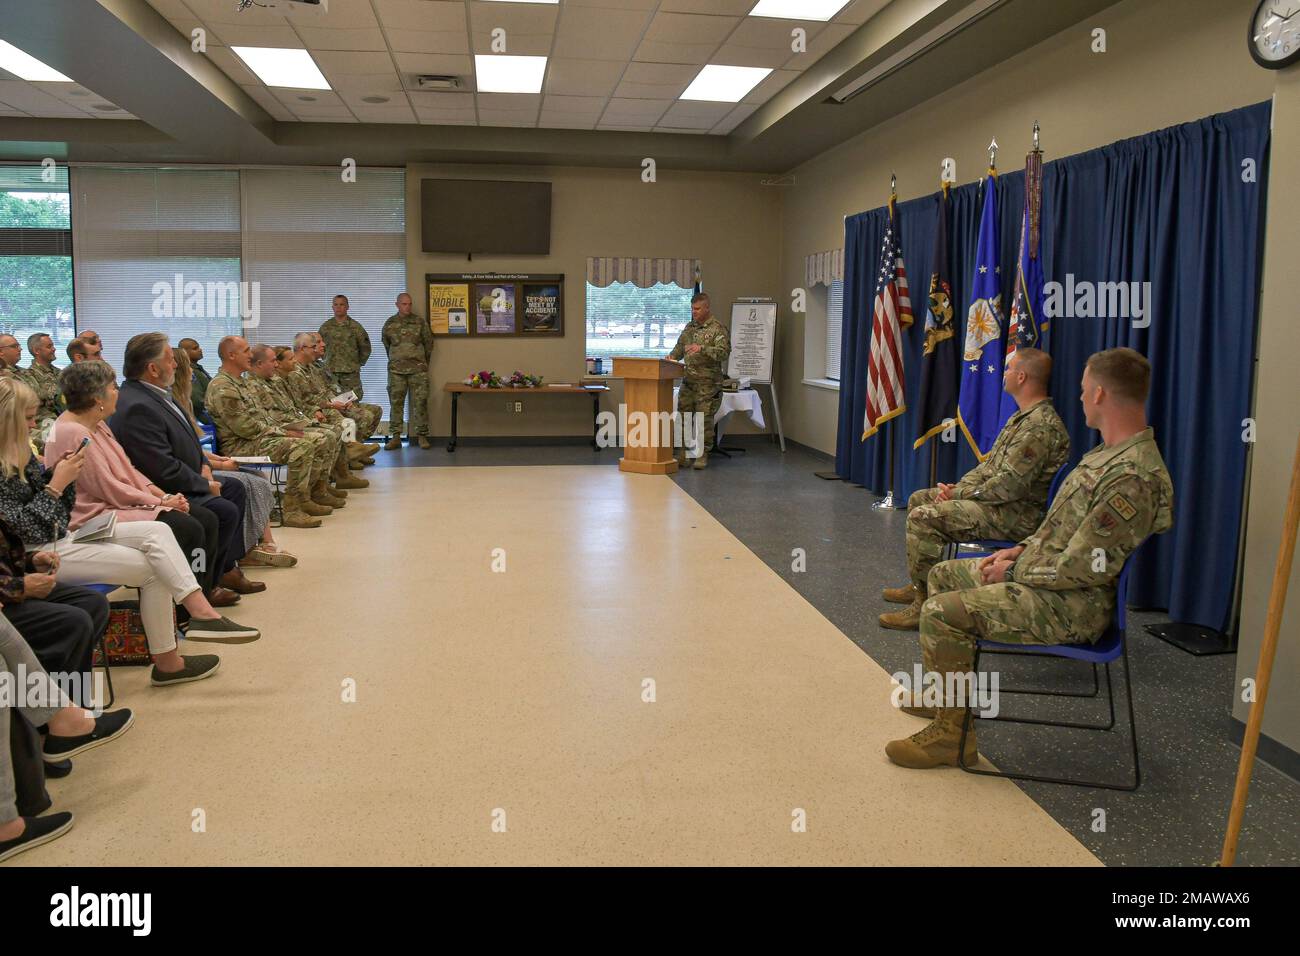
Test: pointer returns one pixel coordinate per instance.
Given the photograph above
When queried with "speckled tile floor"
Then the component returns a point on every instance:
(774, 504)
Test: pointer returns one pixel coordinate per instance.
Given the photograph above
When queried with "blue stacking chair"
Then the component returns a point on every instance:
(209, 439)
(1110, 646)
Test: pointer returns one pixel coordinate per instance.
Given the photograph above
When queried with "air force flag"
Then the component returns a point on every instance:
(982, 358)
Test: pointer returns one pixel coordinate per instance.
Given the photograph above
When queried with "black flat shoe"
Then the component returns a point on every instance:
(39, 830)
(56, 771)
(108, 727)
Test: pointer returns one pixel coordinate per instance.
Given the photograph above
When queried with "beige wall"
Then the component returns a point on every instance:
(1277, 412)
(1167, 62)
(727, 220)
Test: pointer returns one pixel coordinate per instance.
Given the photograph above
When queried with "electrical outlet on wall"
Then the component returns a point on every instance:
(519, 406)
(510, 406)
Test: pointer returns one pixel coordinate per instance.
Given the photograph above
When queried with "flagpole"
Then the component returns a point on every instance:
(887, 503)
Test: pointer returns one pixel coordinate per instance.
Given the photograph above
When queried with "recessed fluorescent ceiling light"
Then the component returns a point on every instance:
(509, 74)
(798, 9)
(27, 67)
(294, 69)
(725, 84)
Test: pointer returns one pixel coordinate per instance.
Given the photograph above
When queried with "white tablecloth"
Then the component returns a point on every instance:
(745, 401)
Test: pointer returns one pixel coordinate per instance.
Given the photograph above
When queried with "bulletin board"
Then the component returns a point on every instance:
(495, 305)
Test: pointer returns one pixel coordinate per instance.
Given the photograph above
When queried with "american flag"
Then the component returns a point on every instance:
(891, 314)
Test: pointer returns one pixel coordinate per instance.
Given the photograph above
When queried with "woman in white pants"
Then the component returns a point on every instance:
(142, 554)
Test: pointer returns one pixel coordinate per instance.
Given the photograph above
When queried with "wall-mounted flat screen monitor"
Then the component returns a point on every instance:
(485, 216)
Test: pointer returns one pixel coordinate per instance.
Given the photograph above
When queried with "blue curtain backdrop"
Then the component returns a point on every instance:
(1169, 208)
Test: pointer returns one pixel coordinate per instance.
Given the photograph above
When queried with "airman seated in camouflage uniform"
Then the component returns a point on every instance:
(283, 412)
(244, 427)
(408, 340)
(347, 347)
(325, 386)
(43, 379)
(704, 346)
(1058, 585)
(10, 353)
(298, 386)
(1002, 497)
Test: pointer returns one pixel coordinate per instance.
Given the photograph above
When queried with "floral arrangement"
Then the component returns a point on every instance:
(520, 380)
(483, 380)
(492, 380)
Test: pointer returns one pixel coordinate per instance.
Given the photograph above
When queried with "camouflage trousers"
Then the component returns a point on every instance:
(705, 398)
(350, 381)
(962, 609)
(367, 418)
(932, 525)
(307, 460)
(417, 385)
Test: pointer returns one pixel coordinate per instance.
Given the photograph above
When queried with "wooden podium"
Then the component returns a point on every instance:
(648, 395)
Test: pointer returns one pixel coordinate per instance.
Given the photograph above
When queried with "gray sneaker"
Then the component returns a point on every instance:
(197, 667)
(221, 631)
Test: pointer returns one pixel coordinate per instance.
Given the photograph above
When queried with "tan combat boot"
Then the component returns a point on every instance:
(313, 508)
(424, 442)
(702, 462)
(936, 745)
(320, 493)
(347, 482)
(295, 516)
(904, 595)
(908, 619)
(358, 451)
(393, 443)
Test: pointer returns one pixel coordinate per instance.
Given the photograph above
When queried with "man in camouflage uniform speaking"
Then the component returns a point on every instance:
(408, 339)
(1058, 585)
(347, 347)
(1002, 497)
(704, 346)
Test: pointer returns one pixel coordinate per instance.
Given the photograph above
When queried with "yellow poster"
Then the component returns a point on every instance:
(449, 308)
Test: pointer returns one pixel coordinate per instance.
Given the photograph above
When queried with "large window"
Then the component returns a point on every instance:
(35, 254)
(308, 236)
(834, 323)
(623, 319)
(157, 250)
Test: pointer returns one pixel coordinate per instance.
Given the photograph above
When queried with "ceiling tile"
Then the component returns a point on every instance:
(695, 115)
(518, 43)
(328, 38)
(736, 8)
(655, 52)
(601, 34)
(214, 12)
(249, 35)
(733, 54)
(635, 112)
(342, 15)
(356, 99)
(566, 121)
(359, 72)
(615, 4)
(170, 8)
(690, 28)
(653, 81)
(400, 113)
(262, 96)
(309, 101)
(436, 64)
(24, 96)
(772, 34)
(421, 15)
(441, 101)
(582, 77)
(423, 41)
(772, 84)
(830, 37)
(616, 128)
(447, 117)
(529, 18)
(574, 104)
(185, 25)
(509, 101)
(507, 118)
(323, 118)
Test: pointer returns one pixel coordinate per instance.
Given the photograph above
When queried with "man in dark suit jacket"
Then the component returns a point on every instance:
(160, 441)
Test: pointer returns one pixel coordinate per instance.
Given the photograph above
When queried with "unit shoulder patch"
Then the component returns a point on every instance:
(1122, 506)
